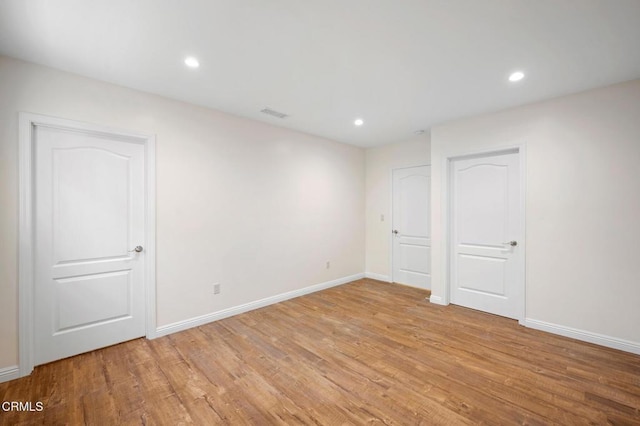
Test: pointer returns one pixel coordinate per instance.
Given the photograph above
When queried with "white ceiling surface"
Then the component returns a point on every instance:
(401, 65)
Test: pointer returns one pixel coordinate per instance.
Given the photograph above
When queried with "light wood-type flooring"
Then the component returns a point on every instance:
(365, 352)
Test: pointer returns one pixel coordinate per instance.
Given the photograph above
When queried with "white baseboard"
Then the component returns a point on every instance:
(225, 313)
(585, 336)
(437, 300)
(9, 373)
(379, 277)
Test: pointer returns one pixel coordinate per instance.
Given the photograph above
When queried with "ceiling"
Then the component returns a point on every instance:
(400, 65)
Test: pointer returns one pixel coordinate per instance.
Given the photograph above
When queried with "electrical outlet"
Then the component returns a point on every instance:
(381, 218)
(216, 288)
(328, 264)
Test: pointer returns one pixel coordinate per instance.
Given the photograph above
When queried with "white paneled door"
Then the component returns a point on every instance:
(486, 241)
(411, 232)
(89, 215)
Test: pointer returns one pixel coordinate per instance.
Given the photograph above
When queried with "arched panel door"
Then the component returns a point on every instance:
(89, 204)
(486, 245)
(412, 226)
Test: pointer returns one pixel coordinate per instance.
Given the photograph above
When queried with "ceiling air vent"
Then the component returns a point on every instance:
(274, 113)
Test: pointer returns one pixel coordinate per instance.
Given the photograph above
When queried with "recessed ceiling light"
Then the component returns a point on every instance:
(359, 122)
(516, 76)
(191, 62)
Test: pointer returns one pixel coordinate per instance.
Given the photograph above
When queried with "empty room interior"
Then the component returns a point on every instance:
(319, 212)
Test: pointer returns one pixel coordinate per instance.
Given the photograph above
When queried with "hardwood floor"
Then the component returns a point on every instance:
(365, 352)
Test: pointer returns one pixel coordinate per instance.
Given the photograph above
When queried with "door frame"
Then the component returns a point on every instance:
(391, 256)
(447, 210)
(26, 237)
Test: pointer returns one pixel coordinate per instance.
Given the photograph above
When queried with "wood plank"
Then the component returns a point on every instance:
(364, 352)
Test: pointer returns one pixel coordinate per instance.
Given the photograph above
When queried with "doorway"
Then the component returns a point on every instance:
(411, 233)
(87, 238)
(486, 234)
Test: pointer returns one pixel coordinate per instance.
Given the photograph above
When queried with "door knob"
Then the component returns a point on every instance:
(511, 243)
(138, 249)
(395, 231)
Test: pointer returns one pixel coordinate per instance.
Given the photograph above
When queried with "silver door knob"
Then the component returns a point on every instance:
(511, 243)
(138, 249)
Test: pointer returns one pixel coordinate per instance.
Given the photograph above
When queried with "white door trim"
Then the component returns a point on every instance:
(26, 323)
(446, 184)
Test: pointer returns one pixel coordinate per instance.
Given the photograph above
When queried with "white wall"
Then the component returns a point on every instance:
(380, 161)
(582, 208)
(258, 208)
